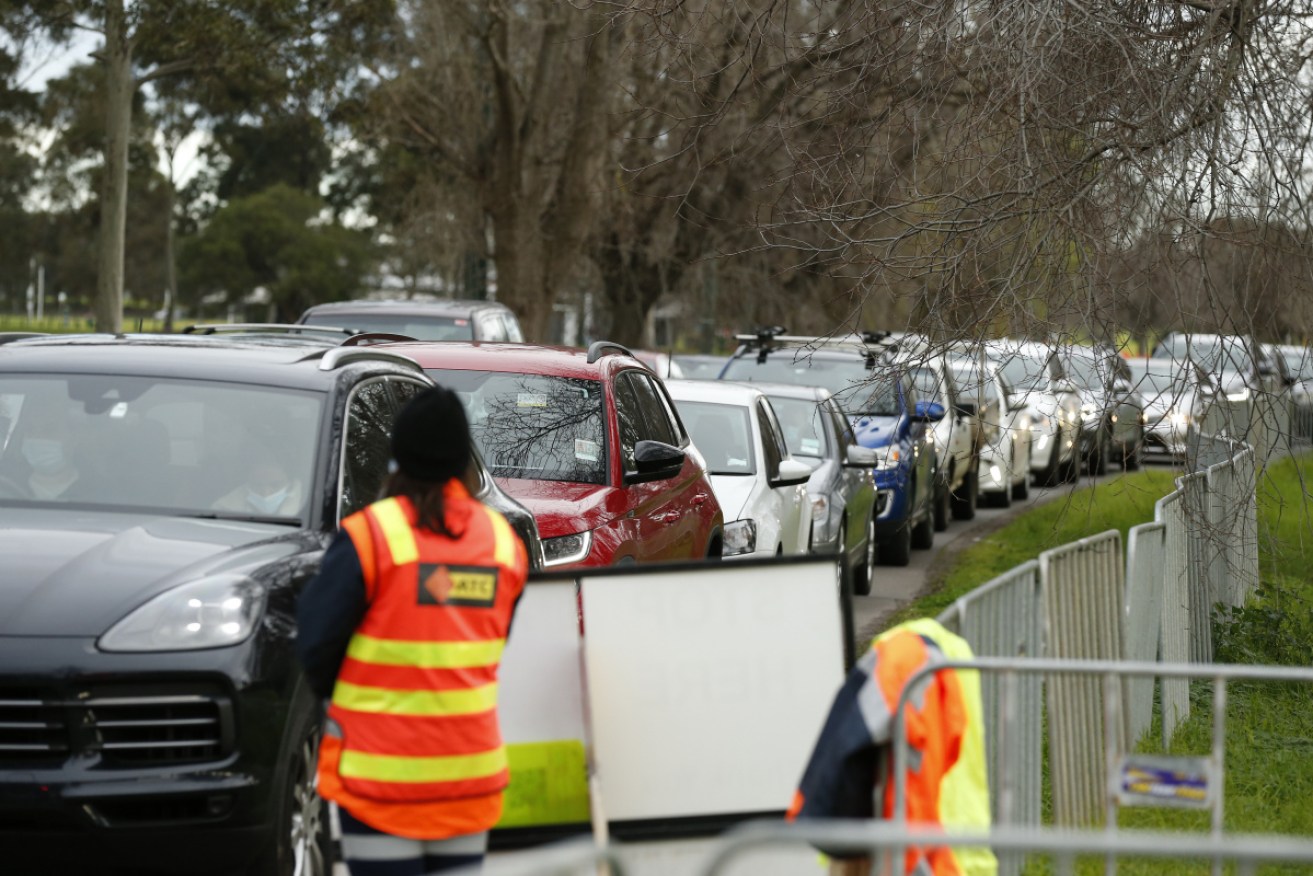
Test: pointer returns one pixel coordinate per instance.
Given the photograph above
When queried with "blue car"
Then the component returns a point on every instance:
(884, 414)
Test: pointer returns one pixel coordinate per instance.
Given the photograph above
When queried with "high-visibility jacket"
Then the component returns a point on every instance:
(413, 714)
(946, 780)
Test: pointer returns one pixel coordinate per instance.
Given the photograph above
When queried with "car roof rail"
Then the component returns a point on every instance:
(768, 338)
(268, 327)
(364, 339)
(7, 337)
(335, 357)
(598, 349)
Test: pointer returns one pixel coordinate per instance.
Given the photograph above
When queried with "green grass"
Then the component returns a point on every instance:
(1118, 504)
(74, 324)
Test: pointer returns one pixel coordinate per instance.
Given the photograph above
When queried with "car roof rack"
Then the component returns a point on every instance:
(7, 337)
(335, 357)
(265, 328)
(770, 338)
(598, 349)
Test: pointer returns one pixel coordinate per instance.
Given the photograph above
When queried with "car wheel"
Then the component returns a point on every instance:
(303, 846)
(964, 499)
(923, 534)
(897, 549)
(1056, 471)
(863, 574)
(1133, 458)
(1021, 489)
(941, 507)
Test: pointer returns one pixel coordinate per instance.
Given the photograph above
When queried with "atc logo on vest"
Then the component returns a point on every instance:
(467, 586)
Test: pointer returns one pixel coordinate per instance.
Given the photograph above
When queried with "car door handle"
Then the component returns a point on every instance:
(699, 499)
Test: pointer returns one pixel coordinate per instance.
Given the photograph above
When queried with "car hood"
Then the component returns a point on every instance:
(732, 493)
(75, 573)
(564, 508)
(875, 431)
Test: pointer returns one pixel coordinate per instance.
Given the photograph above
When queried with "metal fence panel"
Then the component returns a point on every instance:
(1083, 586)
(1195, 510)
(1146, 564)
(1174, 624)
(1002, 618)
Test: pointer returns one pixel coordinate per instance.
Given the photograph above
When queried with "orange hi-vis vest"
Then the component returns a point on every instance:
(413, 717)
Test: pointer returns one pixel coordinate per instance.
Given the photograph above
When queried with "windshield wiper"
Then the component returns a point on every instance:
(241, 518)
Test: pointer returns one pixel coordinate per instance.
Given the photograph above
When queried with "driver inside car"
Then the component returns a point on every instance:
(45, 446)
(266, 491)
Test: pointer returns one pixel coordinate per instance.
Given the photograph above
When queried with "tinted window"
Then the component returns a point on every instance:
(533, 426)
(369, 418)
(875, 398)
(804, 431)
(722, 434)
(423, 328)
(188, 447)
(658, 425)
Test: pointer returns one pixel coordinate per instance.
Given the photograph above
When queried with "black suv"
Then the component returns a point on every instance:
(450, 320)
(163, 499)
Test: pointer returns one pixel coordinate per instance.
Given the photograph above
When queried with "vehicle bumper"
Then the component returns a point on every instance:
(1166, 437)
(893, 508)
(994, 476)
(151, 808)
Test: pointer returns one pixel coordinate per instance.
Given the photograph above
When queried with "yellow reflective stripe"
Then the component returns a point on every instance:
(397, 533)
(427, 703)
(399, 768)
(505, 539)
(425, 655)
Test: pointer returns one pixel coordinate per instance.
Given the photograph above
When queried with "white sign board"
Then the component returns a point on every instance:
(708, 687)
(540, 696)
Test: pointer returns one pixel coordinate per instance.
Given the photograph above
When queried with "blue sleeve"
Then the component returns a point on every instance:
(327, 614)
(841, 778)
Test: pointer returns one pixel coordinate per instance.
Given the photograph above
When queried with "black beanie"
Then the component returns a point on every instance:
(431, 437)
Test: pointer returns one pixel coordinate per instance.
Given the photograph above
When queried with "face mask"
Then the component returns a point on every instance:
(45, 455)
(267, 504)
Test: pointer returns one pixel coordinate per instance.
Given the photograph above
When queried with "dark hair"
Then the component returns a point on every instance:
(426, 496)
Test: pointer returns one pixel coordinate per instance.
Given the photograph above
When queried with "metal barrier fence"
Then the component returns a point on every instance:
(1144, 611)
(1083, 586)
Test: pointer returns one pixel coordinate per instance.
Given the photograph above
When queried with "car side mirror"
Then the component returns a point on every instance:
(655, 461)
(791, 474)
(928, 411)
(858, 456)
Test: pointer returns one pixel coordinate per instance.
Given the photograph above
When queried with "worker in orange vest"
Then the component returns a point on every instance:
(851, 767)
(402, 631)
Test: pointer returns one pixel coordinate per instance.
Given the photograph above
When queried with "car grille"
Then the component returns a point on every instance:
(124, 730)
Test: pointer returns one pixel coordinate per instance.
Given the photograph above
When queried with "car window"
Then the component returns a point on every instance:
(722, 434)
(802, 421)
(533, 426)
(772, 439)
(841, 428)
(629, 420)
(657, 422)
(186, 447)
(369, 417)
(929, 384)
(491, 327)
(418, 326)
(512, 328)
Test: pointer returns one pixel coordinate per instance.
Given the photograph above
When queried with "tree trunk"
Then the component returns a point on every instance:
(170, 256)
(519, 255)
(114, 196)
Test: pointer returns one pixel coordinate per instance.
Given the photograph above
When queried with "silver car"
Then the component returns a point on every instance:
(1176, 396)
(842, 485)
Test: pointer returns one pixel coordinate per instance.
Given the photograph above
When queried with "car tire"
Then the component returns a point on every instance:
(965, 498)
(302, 843)
(897, 549)
(863, 574)
(1021, 489)
(1056, 471)
(941, 507)
(1133, 458)
(923, 534)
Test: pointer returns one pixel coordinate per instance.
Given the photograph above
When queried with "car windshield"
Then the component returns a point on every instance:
(930, 386)
(1025, 373)
(1216, 354)
(417, 326)
(701, 367)
(1299, 363)
(804, 433)
(722, 434)
(184, 447)
(534, 426)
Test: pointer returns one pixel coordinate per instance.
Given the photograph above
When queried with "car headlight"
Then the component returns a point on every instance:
(211, 613)
(889, 458)
(1178, 417)
(820, 508)
(1238, 395)
(566, 548)
(740, 538)
(1088, 409)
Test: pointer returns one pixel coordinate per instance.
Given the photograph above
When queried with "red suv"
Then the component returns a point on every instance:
(589, 443)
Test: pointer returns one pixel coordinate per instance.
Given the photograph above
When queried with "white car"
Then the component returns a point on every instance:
(760, 487)
(1052, 405)
(1005, 452)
